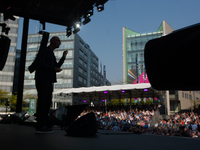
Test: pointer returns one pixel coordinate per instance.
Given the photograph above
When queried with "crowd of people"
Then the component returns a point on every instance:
(139, 121)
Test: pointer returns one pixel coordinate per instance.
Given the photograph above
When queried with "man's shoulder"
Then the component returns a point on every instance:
(44, 49)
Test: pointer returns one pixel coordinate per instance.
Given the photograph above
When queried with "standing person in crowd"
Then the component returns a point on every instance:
(45, 77)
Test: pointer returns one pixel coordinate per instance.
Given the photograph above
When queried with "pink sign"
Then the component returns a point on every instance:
(141, 79)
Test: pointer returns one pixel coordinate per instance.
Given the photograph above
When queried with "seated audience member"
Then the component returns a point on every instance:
(116, 128)
(186, 132)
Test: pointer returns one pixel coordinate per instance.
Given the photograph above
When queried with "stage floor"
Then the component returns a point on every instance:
(18, 137)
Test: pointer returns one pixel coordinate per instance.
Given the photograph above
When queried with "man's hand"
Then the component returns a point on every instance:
(58, 69)
(65, 53)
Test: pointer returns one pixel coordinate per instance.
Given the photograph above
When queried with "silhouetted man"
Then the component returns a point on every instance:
(45, 77)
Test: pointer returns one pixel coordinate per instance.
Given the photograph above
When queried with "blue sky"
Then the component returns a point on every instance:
(104, 32)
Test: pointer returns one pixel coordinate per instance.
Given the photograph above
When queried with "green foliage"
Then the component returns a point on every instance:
(6, 96)
(3, 97)
(13, 102)
(116, 101)
(3, 94)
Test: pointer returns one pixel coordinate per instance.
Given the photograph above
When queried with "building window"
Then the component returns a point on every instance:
(81, 61)
(80, 70)
(182, 94)
(80, 79)
(84, 81)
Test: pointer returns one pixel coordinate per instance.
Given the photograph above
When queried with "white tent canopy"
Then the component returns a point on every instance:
(104, 88)
(115, 91)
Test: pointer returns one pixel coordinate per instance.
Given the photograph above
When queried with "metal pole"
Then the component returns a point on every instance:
(22, 65)
(130, 99)
(137, 68)
(191, 100)
(168, 102)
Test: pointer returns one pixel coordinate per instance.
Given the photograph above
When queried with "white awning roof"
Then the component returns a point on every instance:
(115, 91)
(104, 88)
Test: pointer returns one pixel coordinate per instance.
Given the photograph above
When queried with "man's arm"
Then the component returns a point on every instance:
(59, 64)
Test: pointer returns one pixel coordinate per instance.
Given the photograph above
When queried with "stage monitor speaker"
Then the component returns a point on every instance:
(4, 49)
(172, 61)
(84, 126)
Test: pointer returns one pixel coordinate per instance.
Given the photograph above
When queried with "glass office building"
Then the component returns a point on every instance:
(133, 50)
(7, 74)
(80, 68)
(133, 65)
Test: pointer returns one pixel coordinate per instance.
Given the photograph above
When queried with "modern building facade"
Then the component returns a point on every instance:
(134, 66)
(80, 69)
(133, 50)
(7, 74)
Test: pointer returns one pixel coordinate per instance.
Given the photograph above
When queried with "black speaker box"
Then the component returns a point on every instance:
(172, 61)
(84, 126)
(4, 49)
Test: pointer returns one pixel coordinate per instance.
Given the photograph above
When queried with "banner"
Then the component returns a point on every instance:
(32, 106)
(142, 79)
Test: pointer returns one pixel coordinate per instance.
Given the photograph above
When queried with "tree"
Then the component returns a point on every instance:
(13, 102)
(116, 101)
(3, 97)
(119, 82)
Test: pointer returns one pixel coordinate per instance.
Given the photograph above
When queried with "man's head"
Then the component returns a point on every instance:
(55, 42)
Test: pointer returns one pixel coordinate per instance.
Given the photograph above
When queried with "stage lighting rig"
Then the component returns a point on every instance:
(4, 28)
(89, 13)
(100, 5)
(69, 31)
(7, 30)
(43, 25)
(77, 27)
(3, 25)
(100, 8)
(87, 20)
(8, 14)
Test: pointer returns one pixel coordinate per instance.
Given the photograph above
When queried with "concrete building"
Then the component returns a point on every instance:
(80, 69)
(133, 66)
(7, 74)
(16, 71)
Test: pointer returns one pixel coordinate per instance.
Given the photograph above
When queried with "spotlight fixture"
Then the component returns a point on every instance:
(100, 8)
(76, 28)
(69, 31)
(4, 28)
(77, 25)
(7, 30)
(89, 13)
(100, 5)
(87, 20)
(8, 14)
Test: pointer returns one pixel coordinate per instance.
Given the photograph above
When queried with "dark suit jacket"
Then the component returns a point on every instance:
(45, 65)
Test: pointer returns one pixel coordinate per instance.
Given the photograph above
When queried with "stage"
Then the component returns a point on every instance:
(19, 137)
